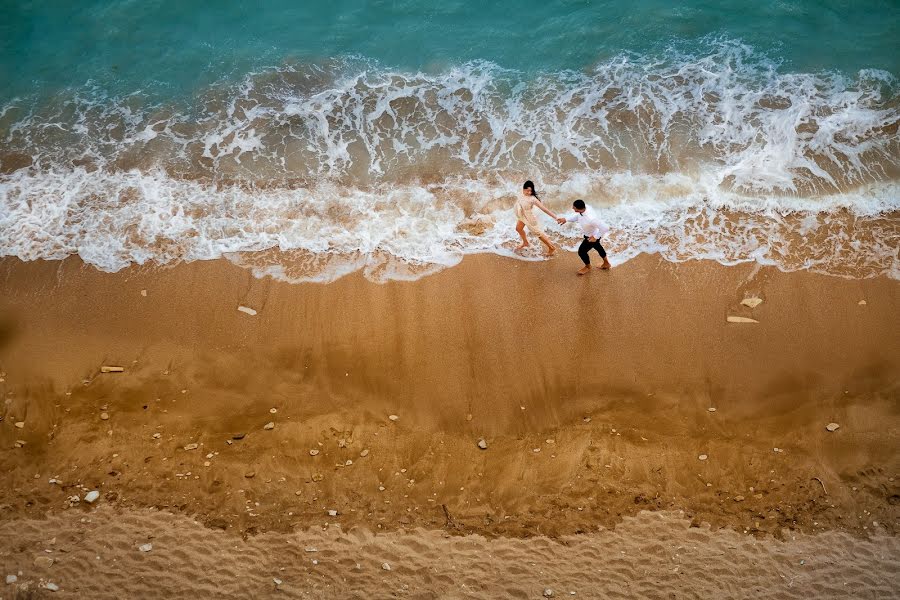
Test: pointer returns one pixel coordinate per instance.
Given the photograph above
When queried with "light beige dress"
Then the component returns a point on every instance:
(525, 213)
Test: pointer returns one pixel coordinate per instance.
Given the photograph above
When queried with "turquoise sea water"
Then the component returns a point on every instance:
(178, 47)
(308, 140)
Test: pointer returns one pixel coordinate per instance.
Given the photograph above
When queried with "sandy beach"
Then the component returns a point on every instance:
(621, 413)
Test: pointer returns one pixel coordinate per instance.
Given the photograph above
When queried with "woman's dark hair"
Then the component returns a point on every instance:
(530, 184)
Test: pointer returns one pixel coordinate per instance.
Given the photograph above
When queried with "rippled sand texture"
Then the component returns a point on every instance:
(96, 554)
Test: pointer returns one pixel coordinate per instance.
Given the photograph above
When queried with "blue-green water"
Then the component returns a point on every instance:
(307, 140)
(178, 47)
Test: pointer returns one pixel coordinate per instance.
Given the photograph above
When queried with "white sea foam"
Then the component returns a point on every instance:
(308, 173)
(115, 219)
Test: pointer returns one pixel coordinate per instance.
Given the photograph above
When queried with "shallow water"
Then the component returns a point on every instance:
(307, 143)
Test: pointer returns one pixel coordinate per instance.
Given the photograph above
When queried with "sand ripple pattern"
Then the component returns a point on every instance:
(653, 555)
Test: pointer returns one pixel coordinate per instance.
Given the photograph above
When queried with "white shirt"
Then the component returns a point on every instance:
(590, 223)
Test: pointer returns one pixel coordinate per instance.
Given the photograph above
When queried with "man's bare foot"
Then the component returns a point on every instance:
(551, 250)
(584, 270)
(522, 246)
(605, 266)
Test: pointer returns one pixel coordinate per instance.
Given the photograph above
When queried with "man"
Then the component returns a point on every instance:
(593, 230)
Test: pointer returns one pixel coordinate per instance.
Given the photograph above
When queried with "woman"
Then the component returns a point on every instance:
(526, 217)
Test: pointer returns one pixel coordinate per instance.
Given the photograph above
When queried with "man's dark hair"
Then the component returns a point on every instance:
(579, 204)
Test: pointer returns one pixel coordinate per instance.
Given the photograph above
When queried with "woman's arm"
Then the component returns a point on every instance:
(541, 206)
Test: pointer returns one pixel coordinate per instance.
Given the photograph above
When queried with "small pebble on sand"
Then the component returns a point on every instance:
(482, 444)
(91, 496)
(832, 427)
(269, 425)
(313, 452)
(145, 547)
(247, 310)
(393, 417)
(752, 302)
(386, 566)
(104, 416)
(703, 457)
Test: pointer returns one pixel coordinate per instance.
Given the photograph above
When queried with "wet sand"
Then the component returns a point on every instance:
(592, 395)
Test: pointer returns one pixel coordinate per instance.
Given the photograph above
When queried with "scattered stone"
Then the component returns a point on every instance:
(104, 416)
(393, 418)
(348, 463)
(364, 453)
(536, 450)
(586, 419)
(310, 549)
(832, 427)
(156, 436)
(20, 424)
(862, 302)
(550, 441)
(206, 463)
(469, 417)
(273, 410)
(732, 319)
(73, 500)
(317, 477)
(269, 425)
(738, 498)
(703, 457)
(19, 443)
(238, 436)
(277, 581)
(145, 547)
(91, 496)
(332, 513)
(386, 566)
(51, 586)
(752, 302)
(711, 409)
(43, 562)
(250, 474)
(548, 593)
(110, 369)
(247, 310)
(779, 450)
(313, 451)
(192, 446)
(144, 293)
(11, 579)
(482, 444)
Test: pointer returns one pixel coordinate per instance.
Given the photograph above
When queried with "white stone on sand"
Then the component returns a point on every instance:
(732, 319)
(752, 302)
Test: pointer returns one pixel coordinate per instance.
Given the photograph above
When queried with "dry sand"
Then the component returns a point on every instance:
(592, 394)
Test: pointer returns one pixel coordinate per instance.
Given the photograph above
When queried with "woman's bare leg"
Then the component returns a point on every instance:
(520, 228)
(551, 249)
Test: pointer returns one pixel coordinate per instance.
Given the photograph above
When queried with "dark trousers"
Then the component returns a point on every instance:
(585, 246)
